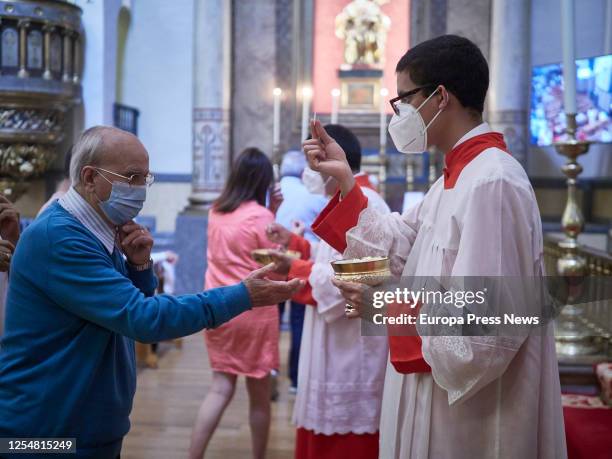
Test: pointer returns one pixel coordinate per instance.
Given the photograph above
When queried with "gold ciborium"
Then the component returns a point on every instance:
(263, 256)
(371, 271)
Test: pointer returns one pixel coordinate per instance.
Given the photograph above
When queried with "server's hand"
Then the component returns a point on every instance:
(355, 295)
(278, 234)
(324, 155)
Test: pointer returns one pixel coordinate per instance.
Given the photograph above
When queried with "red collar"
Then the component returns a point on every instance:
(364, 181)
(462, 154)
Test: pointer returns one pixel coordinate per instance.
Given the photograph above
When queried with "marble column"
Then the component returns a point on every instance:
(427, 20)
(211, 101)
(471, 19)
(211, 143)
(510, 71)
(254, 70)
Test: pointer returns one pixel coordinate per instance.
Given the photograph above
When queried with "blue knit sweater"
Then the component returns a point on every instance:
(67, 365)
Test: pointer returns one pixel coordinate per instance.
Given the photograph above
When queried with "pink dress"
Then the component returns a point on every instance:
(247, 344)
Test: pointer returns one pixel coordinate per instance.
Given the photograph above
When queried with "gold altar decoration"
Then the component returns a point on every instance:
(371, 271)
(263, 257)
(368, 270)
(572, 337)
(40, 79)
(363, 27)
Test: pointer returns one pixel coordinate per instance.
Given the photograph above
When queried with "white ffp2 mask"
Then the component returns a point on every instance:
(408, 130)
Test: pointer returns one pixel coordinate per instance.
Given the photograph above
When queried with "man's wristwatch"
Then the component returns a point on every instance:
(142, 267)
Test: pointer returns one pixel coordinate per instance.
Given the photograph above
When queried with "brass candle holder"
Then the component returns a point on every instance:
(371, 271)
(571, 335)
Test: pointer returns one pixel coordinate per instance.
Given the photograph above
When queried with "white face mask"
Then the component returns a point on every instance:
(408, 130)
(313, 181)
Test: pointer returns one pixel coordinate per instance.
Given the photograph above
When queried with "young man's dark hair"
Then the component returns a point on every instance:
(349, 143)
(452, 61)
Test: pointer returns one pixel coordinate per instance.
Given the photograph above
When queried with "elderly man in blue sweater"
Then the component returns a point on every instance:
(81, 290)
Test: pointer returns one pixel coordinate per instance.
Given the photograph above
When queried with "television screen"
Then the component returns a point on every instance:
(593, 101)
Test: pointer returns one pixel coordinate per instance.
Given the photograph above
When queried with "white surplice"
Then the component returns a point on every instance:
(341, 373)
(486, 397)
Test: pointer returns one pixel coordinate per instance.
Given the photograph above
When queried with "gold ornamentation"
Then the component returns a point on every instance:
(42, 120)
(363, 27)
(572, 337)
(263, 257)
(371, 271)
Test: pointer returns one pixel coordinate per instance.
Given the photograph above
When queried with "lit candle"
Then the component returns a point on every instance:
(334, 111)
(569, 58)
(384, 92)
(276, 126)
(306, 96)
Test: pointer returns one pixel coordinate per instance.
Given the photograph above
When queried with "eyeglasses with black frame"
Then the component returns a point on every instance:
(134, 179)
(401, 98)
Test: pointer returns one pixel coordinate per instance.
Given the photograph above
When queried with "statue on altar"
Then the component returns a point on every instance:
(363, 27)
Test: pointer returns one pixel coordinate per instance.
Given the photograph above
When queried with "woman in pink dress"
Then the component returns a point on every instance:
(248, 344)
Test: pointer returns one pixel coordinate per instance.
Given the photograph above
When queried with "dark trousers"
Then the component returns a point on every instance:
(296, 322)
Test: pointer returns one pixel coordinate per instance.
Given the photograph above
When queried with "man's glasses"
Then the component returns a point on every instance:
(134, 179)
(405, 97)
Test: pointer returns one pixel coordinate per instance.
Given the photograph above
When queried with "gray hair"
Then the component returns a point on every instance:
(87, 151)
(293, 164)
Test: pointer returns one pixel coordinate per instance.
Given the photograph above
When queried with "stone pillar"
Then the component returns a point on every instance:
(98, 72)
(211, 101)
(510, 70)
(211, 142)
(255, 75)
(427, 20)
(471, 19)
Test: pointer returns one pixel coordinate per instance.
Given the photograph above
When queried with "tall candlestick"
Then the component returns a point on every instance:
(569, 57)
(276, 126)
(306, 96)
(334, 111)
(384, 92)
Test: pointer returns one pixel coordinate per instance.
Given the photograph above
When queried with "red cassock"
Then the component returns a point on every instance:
(310, 445)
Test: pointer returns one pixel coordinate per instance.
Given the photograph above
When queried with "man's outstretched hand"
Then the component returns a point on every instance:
(265, 292)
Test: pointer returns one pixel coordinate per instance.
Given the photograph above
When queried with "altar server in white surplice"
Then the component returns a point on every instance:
(341, 372)
(453, 396)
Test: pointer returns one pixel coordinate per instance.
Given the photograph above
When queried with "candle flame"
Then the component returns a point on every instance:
(307, 91)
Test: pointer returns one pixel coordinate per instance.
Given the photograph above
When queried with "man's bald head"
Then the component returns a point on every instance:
(105, 146)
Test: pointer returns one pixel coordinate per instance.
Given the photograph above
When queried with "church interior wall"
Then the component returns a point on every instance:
(591, 22)
(166, 199)
(158, 80)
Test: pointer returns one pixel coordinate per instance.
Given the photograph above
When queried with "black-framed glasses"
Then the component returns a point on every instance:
(396, 101)
(132, 180)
